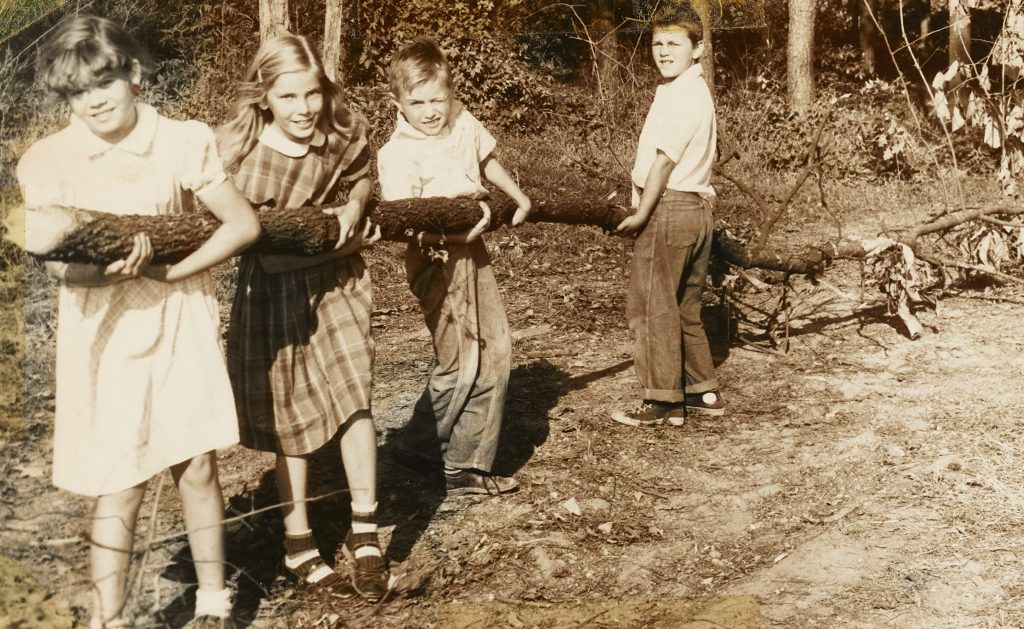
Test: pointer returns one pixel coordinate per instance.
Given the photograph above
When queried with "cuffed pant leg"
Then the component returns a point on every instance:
(653, 312)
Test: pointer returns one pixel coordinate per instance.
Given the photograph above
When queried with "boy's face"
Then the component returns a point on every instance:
(426, 107)
(673, 51)
(107, 105)
(296, 100)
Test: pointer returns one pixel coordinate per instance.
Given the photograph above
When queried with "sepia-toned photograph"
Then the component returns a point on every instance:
(488, 314)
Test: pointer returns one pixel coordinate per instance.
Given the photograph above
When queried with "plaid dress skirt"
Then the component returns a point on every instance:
(300, 353)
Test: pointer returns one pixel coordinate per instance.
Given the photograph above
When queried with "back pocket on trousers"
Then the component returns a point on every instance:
(682, 234)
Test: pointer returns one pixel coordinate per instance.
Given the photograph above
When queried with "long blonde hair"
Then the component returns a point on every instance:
(277, 56)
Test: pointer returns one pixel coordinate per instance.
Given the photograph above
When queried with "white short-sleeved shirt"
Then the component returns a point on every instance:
(141, 382)
(414, 165)
(681, 124)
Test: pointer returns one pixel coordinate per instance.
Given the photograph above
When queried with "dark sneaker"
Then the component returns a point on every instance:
(473, 482)
(650, 413)
(415, 464)
(707, 403)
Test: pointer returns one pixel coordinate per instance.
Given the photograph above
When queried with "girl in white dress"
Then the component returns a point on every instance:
(141, 383)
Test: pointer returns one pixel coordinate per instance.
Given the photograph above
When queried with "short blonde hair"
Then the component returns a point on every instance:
(420, 62)
(84, 48)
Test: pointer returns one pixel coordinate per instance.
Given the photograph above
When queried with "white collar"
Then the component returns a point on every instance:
(138, 140)
(695, 71)
(274, 138)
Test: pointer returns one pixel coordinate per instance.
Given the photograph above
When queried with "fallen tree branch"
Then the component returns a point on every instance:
(768, 223)
(69, 234)
(75, 235)
(1005, 277)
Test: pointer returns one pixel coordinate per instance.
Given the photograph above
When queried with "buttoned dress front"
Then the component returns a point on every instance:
(141, 382)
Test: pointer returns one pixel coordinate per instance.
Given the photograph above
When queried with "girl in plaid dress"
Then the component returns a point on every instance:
(141, 384)
(300, 354)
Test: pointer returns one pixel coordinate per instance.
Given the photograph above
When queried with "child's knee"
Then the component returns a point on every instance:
(199, 473)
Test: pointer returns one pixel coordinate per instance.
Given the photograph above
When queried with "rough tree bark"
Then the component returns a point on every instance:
(74, 235)
(707, 58)
(334, 32)
(68, 234)
(800, 55)
(273, 18)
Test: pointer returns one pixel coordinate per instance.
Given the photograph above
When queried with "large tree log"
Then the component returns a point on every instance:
(68, 234)
(75, 235)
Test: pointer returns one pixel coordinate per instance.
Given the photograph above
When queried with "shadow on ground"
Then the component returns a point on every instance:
(254, 535)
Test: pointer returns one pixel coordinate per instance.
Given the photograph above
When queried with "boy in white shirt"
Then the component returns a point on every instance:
(438, 149)
(673, 195)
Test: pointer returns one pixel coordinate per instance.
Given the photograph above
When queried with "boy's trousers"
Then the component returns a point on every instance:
(670, 264)
(458, 417)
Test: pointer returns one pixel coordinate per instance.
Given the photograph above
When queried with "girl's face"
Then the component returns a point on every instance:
(296, 100)
(107, 105)
(426, 107)
(673, 51)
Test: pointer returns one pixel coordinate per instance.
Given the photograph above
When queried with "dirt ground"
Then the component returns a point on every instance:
(860, 480)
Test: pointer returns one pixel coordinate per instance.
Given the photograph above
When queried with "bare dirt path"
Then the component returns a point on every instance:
(861, 480)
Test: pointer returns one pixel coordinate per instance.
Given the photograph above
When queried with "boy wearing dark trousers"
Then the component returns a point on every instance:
(673, 197)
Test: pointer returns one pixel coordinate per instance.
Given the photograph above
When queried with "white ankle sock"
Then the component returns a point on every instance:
(365, 527)
(213, 603)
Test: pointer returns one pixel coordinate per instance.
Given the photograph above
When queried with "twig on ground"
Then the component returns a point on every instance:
(1009, 300)
(996, 221)
(587, 621)
(550, 353)
(972, 267)
(644, 491)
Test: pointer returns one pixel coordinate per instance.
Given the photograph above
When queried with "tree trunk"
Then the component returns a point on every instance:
(74, 235)
(273, 18)
(605, 48)
(800, 55)
(925, 25)
(959, 32)
(334, 47)
(867, 31)
(707, 58)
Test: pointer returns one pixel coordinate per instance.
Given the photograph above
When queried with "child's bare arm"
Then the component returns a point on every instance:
(132, 266)
(238, 229)
(350, 214)
(654, 187)
(496, 174)
(353, 235)
(461, 238)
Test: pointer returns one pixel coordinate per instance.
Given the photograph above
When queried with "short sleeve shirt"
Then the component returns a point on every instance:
(414, 165)
(681, 124)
